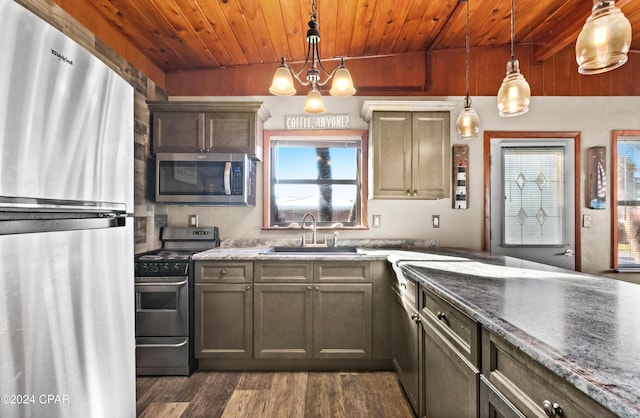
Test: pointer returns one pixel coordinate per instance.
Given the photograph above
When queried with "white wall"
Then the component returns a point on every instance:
(594, 117)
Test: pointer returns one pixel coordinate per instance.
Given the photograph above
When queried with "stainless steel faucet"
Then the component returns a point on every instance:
(313, 219)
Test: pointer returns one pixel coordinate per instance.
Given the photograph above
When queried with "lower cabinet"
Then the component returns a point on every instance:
(528, 386)
(450, 380)
(312, 320)
(405, 332)
(224, 320)
(284, 310)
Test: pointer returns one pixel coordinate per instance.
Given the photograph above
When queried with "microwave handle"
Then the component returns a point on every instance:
(227, 178)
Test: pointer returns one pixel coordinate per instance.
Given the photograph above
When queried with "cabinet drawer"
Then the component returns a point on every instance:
(224, 272)
(283, 272)
(461, 331)
(406, 288)
(529, 386)
(342, 271)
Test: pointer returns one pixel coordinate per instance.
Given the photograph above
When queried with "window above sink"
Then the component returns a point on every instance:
(317, 172)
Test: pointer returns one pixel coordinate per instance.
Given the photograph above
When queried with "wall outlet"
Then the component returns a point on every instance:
(435, 221)
(193, 220)
(377, 221)
(586, 221)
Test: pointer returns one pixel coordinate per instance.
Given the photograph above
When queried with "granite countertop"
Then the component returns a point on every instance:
(584, 328)
(260, 254)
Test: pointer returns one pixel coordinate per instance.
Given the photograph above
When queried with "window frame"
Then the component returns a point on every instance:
(616, 136)
(316, 134)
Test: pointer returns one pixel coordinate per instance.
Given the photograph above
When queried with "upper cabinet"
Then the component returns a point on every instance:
(411, 149)
(227, 127)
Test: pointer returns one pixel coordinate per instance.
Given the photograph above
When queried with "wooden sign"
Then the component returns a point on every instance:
(292, 122)
(460, 172)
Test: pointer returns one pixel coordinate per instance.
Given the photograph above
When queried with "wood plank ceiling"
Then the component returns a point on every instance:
(179, 35)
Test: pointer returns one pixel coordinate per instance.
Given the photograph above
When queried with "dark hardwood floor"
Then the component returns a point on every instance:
(277, 394)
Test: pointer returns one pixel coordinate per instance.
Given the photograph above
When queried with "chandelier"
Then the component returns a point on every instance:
(342, 85)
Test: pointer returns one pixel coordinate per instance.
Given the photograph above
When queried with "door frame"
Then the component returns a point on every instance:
(490, 135)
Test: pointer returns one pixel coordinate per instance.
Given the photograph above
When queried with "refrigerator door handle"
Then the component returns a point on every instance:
(30, 226)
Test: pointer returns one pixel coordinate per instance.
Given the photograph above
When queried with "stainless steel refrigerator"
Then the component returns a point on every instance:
(67, 340)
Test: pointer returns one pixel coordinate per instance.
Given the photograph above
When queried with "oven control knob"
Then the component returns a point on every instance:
(176, 268)
(154, 267)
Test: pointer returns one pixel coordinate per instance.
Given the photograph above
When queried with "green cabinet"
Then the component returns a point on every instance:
(450, 355)
(411, 155)
(223, 311)
(530, 388)
(223, 127)
(298, 315)
(405, 332)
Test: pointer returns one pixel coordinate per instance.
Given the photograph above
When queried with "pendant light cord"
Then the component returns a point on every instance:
(513, 24)
(467, 52)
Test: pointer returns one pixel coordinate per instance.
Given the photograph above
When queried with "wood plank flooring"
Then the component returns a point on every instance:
(277, 394)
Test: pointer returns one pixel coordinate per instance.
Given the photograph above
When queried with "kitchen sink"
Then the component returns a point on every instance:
(311, 250)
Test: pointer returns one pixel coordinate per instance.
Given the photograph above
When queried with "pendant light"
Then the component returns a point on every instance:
(604, 40)
(282, 84)
(514, 94)
(468, 123)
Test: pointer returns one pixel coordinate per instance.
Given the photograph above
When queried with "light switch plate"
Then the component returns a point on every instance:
(586, 221)
(435, 221)
(377, 221)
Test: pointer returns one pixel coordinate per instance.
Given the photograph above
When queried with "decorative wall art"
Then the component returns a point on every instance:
(460, 171)
(597, 178)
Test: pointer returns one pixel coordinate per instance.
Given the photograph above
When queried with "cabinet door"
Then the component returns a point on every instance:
(342, 321)
(178, 132)
(231, 132)
(430, 155)
(223, 320)
(450, 380)
(391, 154)
(283, 320)
(405, 338)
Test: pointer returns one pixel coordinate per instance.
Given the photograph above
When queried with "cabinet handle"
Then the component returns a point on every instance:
(442, 316)
(408, 192)
(402, 285)
(317, 288)
(309, 287)
(552, 410)
(415, 192)
(223, 272)
(248, 287)
(415, 317)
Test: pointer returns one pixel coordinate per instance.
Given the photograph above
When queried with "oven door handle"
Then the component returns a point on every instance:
(180, 344)
(146, 286)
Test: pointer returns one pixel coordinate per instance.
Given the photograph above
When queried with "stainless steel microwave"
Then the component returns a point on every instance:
(206, 178)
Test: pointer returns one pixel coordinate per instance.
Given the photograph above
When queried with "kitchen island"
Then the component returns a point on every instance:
(583, 329)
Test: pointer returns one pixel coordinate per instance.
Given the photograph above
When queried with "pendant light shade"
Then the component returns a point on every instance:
(314, 102)
(282, 84)
(342, 83)
(514, 94)
(468, 122)
(605, 39)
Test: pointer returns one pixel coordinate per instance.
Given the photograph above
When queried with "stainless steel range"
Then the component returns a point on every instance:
(163, 297)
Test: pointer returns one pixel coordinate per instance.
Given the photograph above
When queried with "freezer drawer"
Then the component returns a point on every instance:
(162, 356)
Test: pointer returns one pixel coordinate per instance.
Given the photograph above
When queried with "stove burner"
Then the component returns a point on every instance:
(150, 257)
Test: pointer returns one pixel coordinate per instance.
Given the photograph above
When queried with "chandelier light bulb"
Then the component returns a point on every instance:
(282, 84)
(605, 39)
(314, 102)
